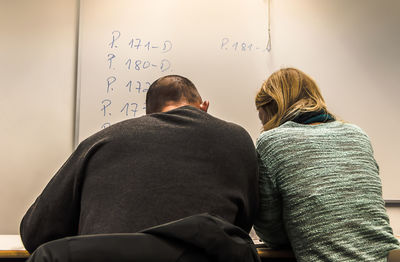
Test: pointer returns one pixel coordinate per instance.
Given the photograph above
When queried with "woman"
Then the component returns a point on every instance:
(319, 182)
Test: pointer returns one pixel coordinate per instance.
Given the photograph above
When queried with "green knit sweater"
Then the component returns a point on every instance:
(321, 193)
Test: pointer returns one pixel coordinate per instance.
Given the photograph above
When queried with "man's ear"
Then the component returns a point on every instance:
(204, 105)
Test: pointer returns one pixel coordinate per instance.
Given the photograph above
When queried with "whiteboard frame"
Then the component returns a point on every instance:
(77, 79)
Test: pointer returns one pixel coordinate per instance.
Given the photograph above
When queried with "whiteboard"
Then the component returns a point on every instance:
(125, 45)
(349, 47)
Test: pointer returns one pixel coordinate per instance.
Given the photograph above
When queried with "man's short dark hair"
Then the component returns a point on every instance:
(171, 88)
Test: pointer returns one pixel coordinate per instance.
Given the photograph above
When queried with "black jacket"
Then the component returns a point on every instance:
(199, 238)
(145, 172)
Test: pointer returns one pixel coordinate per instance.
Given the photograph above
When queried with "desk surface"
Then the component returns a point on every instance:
(12, 247)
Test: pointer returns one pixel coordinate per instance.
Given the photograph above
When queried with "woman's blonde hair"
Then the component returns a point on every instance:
(286, 94)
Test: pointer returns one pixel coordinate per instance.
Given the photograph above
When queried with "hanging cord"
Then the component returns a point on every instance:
(269, 26)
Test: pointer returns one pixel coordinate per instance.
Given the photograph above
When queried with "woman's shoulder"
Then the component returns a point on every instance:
(275, 137)
(295, 131)
(270, 135)
(350, 130)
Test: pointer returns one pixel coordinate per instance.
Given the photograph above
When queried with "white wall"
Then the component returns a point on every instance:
(394, 216)
(352, 49)
(37, 72)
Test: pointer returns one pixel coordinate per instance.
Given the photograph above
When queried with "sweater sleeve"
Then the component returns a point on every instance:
(269, 222)
(55, 213)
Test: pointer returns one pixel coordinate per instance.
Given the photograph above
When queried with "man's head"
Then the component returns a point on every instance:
(172, 91)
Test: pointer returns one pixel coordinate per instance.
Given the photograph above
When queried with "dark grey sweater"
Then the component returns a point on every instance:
(147, 171)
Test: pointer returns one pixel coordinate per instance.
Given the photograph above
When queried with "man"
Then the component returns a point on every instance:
(174, 162)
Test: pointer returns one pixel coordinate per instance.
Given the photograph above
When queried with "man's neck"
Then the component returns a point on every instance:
(174, 106)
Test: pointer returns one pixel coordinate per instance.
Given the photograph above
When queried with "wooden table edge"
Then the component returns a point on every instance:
(262, 252)
(273, 253)
(14, 254)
